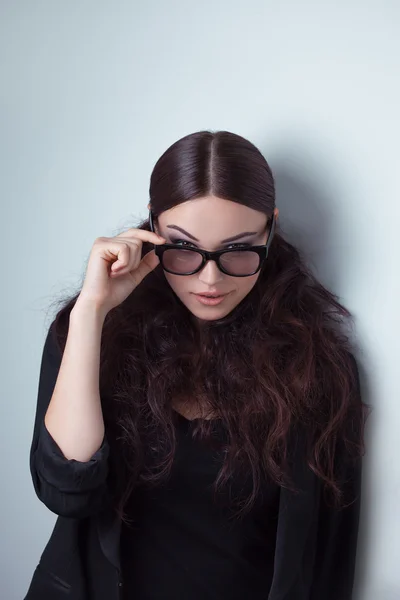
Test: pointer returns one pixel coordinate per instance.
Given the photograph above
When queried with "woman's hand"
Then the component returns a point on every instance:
(115, 267)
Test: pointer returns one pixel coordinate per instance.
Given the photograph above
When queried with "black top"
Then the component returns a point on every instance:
(315, 543)
(186, 543)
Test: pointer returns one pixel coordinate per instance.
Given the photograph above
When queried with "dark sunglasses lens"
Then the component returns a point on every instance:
(186, 261)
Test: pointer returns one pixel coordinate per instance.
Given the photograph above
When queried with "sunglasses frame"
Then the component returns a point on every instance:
(261, 250)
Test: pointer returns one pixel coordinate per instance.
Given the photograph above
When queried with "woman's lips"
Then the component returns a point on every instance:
(210, 301)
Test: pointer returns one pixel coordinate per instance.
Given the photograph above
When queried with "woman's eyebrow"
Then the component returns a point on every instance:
(231, 239)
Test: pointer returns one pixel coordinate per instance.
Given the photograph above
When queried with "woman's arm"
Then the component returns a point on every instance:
(74, 416)
(69, 450)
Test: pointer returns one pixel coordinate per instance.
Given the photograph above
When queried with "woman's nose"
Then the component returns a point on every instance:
(210, 273)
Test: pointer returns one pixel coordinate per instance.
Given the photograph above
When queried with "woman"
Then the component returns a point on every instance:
(200, 448)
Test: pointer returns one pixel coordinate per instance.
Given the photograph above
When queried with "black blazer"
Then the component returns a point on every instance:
(315, 547)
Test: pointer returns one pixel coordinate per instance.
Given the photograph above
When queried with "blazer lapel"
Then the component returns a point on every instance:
(109, 531)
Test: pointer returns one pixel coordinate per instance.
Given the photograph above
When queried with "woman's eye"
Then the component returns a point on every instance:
(178, 242)
(236, 246)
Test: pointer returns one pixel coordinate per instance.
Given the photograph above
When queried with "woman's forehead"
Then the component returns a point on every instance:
(212, 218)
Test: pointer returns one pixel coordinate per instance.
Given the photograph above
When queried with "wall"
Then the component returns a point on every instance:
(93, 92)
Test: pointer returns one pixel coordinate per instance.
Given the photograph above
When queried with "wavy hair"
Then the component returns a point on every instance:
(279, 362)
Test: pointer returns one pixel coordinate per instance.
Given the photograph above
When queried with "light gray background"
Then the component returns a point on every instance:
(92, 92)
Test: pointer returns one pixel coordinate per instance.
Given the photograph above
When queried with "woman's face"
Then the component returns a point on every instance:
(211, 220)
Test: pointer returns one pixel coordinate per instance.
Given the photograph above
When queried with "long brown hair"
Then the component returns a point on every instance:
(281, 360)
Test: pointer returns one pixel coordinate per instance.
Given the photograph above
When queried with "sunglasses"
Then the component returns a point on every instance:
(237, 262)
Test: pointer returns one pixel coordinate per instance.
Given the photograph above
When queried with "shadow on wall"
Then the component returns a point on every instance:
(311, 219)
(385, 593)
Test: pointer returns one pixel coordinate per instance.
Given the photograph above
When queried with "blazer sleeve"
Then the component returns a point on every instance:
(337, 545)
(337, 531)
(67, 487)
